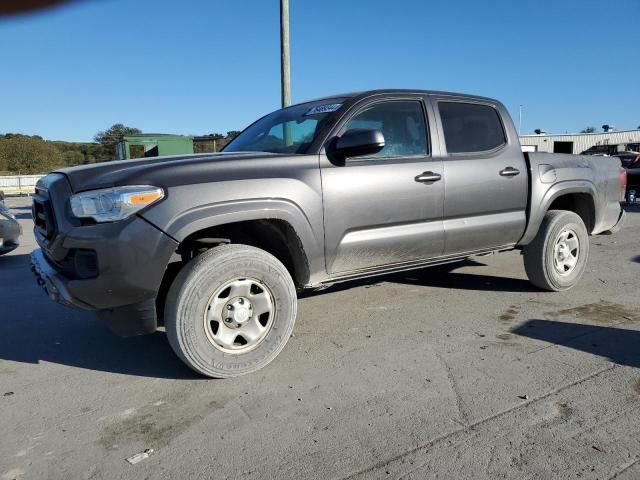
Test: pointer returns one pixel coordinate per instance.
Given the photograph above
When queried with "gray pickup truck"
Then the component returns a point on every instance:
(216, 246)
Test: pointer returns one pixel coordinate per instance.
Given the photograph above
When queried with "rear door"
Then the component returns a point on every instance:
(381, 210)
(485, 175)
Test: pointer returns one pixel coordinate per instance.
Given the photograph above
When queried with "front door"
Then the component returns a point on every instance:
(485, 176)
(386, 208)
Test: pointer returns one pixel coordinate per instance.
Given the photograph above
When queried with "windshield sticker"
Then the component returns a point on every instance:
(332, 107)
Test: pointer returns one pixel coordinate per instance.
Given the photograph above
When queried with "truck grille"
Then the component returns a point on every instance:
(43, 214)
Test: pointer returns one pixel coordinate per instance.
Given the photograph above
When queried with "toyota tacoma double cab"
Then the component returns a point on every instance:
(216, 247)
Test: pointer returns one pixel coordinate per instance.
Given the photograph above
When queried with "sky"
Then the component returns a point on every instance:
(205, 66)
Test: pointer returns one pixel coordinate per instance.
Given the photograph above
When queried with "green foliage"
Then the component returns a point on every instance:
(24, 155)
(588, 130)
(73, 157)
(72, 152)
(110, 138)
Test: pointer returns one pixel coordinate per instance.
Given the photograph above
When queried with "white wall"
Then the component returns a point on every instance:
(19, 184)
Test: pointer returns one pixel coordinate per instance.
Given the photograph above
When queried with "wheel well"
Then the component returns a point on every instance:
(274, 236)
(580, 203)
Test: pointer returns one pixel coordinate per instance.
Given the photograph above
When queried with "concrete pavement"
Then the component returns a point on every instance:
(469, 374)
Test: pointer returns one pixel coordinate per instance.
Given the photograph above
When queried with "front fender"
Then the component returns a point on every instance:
(179, 223)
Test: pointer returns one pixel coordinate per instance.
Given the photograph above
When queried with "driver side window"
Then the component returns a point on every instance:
(401, 122)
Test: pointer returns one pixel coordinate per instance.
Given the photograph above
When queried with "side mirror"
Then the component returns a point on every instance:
(358, 142)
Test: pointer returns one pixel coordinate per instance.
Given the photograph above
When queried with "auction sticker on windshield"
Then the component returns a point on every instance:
(332, 107)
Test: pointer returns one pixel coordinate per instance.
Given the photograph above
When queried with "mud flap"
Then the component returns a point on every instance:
(131, 320)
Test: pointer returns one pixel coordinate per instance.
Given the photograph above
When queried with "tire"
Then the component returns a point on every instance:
(221, 293)
(547, 259)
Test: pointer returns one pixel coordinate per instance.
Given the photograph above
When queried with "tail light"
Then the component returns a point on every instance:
(622, 176)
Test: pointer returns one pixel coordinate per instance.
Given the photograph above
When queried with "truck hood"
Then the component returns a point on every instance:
(162, 171)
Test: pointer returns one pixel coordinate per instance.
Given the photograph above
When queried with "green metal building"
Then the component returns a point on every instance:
(153, 145)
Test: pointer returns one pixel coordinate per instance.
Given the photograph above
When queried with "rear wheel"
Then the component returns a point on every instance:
(230, 311)
(557, 257)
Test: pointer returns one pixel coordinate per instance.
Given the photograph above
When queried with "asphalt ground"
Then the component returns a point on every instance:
(472, 373)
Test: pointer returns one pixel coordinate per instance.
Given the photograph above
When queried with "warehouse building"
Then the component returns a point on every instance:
(606, 143)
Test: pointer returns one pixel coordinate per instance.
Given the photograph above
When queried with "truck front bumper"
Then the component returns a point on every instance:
(53, 283)
(126, 320)
(130, 261)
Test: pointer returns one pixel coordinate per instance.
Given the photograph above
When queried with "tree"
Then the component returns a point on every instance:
(110, 138)
(588, 130)
(232, 134)
(73, 157)
(23, 155)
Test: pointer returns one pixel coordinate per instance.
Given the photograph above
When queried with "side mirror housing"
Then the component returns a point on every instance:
(358, 142)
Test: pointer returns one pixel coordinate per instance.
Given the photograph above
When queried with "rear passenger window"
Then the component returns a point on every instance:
(470, 127)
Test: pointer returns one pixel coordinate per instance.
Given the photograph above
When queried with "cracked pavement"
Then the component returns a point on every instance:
(471, 374)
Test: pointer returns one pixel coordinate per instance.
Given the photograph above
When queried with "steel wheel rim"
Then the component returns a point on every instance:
(239, 315)
(566, 252)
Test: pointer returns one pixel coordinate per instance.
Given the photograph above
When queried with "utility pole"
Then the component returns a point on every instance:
(285, 68)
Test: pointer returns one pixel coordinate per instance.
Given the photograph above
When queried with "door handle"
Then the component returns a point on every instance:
(428, 177)
(509, 172)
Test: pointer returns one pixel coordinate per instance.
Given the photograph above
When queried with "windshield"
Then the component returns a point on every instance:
(290, 130)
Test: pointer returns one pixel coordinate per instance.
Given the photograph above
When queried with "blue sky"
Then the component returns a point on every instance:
(203, 66)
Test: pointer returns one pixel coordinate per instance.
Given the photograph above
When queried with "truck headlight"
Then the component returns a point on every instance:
(113, 204)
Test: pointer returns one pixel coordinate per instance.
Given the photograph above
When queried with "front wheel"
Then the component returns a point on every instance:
(557, 257)
(230, 311)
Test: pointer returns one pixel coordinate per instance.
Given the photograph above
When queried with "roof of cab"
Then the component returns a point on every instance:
(398, 91)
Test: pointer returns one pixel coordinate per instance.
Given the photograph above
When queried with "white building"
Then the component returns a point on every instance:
(576, 143)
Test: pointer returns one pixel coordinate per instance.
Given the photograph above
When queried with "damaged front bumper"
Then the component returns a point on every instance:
(125, 321)
(53, 283)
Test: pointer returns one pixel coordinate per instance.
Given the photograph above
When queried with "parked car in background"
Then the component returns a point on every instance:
(631, 161)
(628, 158)
(10, 230)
